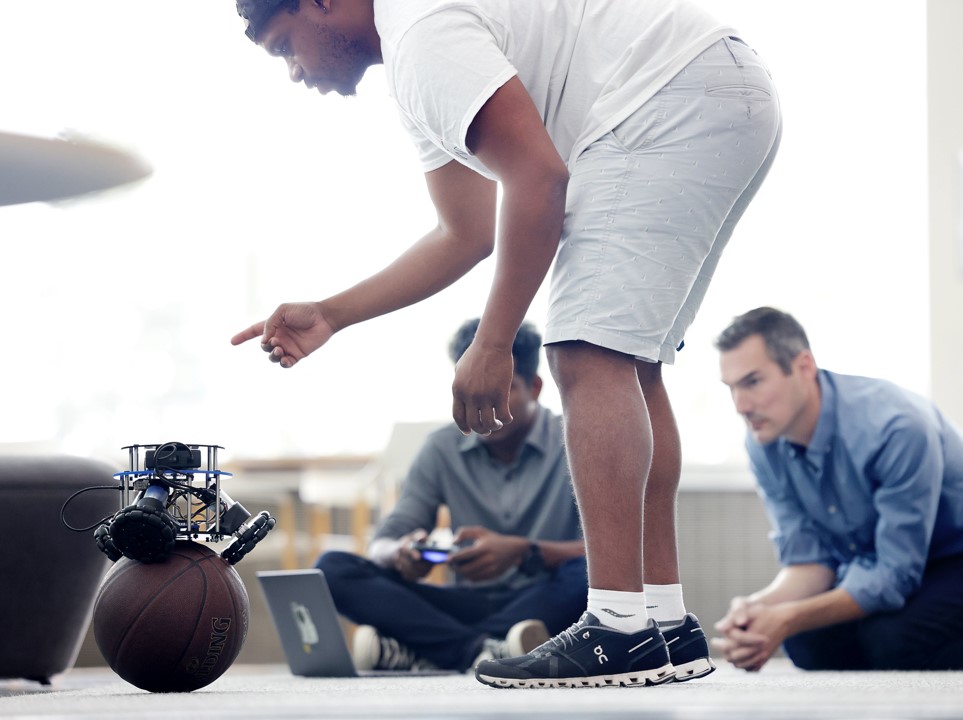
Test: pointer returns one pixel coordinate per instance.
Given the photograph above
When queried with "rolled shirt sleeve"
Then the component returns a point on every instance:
(909, 466)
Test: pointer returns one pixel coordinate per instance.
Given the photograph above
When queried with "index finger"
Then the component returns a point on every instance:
(256, 330)
(725, 624)
(464, 554)
(469, 532)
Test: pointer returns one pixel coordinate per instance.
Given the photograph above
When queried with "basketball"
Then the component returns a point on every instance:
(173, 626)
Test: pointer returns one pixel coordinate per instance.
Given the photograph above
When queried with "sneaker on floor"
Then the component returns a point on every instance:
(372, 651)
(588, 654)
(522, 638)
(525, 636)
(688, 650)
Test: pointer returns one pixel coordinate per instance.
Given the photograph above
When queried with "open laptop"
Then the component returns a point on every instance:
(307, 622)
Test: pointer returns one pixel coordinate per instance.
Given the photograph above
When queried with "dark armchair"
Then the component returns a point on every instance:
(49, 575)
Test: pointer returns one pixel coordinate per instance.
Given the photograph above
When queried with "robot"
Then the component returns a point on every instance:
(173, 496)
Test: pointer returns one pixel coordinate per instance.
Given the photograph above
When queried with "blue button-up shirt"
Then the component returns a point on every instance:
(876, 495)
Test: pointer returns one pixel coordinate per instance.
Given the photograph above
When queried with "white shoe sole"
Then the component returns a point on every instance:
(692, 670)
(649, 677)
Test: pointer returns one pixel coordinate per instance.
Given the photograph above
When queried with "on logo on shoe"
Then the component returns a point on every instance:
(601, 655)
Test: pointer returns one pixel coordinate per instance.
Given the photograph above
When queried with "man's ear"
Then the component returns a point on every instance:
(536, 387)
(805, 364)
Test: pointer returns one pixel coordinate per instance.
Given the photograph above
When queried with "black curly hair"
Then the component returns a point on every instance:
(258, 12)
(525, 348)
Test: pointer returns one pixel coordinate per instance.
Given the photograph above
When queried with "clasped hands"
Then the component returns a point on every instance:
(751, 632)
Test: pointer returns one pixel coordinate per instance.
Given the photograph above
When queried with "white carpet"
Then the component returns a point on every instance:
(246, 691)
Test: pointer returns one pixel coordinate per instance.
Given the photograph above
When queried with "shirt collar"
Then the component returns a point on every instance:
(825, 426)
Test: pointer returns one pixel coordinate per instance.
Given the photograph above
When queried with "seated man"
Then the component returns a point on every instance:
(519, 567)
(863, 483)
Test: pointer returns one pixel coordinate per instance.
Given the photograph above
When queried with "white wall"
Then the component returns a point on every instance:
(117, 311)
(945, 106)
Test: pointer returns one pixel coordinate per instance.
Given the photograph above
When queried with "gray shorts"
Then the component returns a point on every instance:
(652, 204)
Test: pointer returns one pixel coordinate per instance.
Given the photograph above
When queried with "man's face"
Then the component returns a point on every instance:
(772, 403)
(321, 47)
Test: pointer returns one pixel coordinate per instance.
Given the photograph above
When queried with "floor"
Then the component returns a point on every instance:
(270, 691)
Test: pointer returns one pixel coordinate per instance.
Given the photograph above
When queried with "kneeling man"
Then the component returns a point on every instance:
(863, 484)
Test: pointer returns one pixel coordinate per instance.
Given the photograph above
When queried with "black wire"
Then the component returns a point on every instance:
(172, 482)
(63, 509)
(186, 488)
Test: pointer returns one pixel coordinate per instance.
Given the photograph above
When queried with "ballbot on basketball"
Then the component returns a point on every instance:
(172, 491)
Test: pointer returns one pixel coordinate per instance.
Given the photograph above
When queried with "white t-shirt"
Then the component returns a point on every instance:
(587, 64)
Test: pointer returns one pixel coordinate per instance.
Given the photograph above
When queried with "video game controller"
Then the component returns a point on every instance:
(433, 553)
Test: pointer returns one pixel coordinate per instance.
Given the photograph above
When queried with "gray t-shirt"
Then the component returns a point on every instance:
(532, 497)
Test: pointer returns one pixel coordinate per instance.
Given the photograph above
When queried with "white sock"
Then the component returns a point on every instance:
(624, 611)
(664, 604)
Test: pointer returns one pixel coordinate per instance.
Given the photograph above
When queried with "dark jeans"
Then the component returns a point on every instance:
(447, 624)
(925, 634)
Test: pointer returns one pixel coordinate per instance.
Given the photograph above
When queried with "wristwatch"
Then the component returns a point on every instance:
(532, 561)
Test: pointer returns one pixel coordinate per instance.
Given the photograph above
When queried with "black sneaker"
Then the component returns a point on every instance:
(586, 655)
(688, 650)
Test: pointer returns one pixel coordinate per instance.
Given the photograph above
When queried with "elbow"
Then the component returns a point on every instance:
(473, 247)
(547, 186)
(486, 252)
(471, 242)
(482, 247)
(557, 183)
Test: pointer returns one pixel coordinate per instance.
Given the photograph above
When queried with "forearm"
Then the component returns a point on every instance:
(555, 552)
(752, 632)
(381, 551)
(795, 582)
(827, 608)
(804, 597)
(427, 267)
(531, 225)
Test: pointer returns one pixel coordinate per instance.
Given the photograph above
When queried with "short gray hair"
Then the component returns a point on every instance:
(782, 333)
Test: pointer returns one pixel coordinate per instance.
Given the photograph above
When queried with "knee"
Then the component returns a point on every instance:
(835, 647)
(561, 364)
(650, 375)
(574, 569)
(571, 579)
(804, 655)
(898, 648)
(821, 649)
(574, 362)
(336, 563)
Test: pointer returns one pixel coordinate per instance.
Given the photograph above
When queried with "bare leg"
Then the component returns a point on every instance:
(609, 442)
(661, 556)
